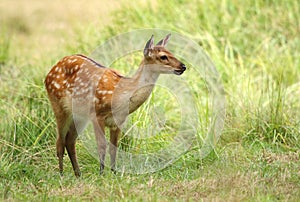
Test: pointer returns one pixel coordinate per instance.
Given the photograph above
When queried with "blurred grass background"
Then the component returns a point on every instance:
(255, 46)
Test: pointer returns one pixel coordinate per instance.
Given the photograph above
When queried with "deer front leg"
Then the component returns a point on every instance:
(101, 141)
(114, 133)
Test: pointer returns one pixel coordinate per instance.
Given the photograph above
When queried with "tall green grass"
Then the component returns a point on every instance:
(255, 46)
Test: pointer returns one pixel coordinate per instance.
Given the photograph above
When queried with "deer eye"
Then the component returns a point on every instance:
(163, 57)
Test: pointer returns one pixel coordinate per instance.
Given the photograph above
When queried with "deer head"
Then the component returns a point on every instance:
(159, 60)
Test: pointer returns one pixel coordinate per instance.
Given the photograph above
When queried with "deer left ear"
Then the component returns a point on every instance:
(149, 46)
(164, 41)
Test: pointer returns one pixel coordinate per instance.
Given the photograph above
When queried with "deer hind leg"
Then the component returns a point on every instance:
(101, 141)
(70, 146)
(114, 133)
(76, 127)
(60, 151)
(63, 123)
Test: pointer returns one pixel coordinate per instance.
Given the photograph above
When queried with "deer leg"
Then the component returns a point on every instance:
(62, 124)
(114, 133)
(60, 151)
(76, 127)
(70, 145)
(101, 142)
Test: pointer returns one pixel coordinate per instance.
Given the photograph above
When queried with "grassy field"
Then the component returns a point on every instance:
(255, 46)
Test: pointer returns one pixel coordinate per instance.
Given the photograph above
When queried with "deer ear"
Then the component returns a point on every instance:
(164, 41)
(149, 46)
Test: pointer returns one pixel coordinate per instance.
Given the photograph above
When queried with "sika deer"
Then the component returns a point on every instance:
(81, 90)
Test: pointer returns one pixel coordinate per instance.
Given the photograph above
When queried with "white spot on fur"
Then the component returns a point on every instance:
(77, 79)
(85, 90)
(56, 85)
(96, 100)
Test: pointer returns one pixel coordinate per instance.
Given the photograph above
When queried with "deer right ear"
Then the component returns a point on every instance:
(164, 41)
(149, 46)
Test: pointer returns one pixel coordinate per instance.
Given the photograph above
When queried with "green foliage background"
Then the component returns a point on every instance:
(255, 46)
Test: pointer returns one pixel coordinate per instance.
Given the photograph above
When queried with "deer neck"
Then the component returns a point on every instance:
(144, 76)
(140, 86)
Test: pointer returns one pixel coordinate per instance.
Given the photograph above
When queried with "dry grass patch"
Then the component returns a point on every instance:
(240, 175)
(42, 27)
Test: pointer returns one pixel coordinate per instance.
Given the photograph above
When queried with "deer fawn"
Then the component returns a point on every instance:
(81, 90)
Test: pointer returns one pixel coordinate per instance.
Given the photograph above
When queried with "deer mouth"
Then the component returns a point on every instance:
(178, 72)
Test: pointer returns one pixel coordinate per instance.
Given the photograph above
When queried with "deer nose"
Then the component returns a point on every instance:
(183, 67)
